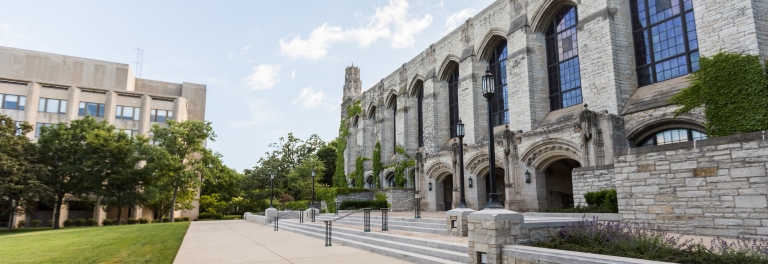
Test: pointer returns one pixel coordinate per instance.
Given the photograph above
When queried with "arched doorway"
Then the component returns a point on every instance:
(499, 186)
(559, 183)
(444, 193)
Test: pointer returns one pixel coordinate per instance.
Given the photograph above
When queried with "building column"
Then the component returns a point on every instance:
(73, 103)
(99, 214)
(144, 124)
(110, 105)
(64, 214)
(30, 111)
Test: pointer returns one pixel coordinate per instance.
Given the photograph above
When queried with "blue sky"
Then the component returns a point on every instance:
(271, 67)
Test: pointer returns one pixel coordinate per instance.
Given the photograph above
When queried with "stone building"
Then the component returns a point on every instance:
(577, 82)
(43, 89)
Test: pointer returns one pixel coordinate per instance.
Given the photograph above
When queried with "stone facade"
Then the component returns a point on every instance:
(615, 114)
(709, 187)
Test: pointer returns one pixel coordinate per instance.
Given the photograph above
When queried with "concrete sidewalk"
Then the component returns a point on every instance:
(238, 241)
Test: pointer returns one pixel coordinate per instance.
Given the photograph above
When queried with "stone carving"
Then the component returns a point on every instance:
(438, 169)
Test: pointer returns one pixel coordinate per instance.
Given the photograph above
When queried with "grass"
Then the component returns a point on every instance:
(148, 243)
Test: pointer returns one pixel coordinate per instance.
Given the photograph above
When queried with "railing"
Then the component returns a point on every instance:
(329, 224)
(277, 217)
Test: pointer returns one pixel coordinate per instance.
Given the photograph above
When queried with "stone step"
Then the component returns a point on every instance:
(417, 250)
(428, 228)
(403, 219)
(391, 221)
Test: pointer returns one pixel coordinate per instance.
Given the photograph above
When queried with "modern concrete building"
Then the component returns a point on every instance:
(577, 82)
(43, 89)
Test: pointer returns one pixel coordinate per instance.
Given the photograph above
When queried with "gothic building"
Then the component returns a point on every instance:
(576, 83)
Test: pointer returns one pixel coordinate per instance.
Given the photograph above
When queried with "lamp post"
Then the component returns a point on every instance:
(312, 203)
(488, 90)
(460, 134)
(271, 192)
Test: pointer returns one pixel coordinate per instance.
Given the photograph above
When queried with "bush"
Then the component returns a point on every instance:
(131, 221)
(646, 241)
(107, 222)
(68, 223)
(182, 219)
(209, 216)
(345, 191)
(92, 222)
(605, 199)
(380, 196)
(143, 220)
(166, 219)
(357, 204)
(296, 205)
(21, 224)
(35, 223)
(79, 222)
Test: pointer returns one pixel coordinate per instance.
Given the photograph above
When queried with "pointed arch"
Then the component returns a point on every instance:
(546, 11)
(478, 164)
(544, 153)
(416, 83)
(370, 111)
(391, 99)
(439, 170)
(446, 67)
(491, 40)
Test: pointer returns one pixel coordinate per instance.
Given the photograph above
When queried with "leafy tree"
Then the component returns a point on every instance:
(733, 89)
(327, 154)
(404, 161)
(64, 149)
(18, 167)
(300, 178)
(218, 178)
(178, 160)
(118, 158)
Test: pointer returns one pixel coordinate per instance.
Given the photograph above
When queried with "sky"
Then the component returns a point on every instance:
(271, 67)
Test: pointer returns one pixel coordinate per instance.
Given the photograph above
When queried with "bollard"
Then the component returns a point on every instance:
(337, 208)
(301, 216)
(276, 218)
(417, 208)
(328, 233)
(384, 219)
(367, 220)
(313, 213)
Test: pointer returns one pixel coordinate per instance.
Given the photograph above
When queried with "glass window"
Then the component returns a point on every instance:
(666, 45)
(49, 105)
(394, 126)
(81, 109)
(157, 115)
(170, 114)
(38, 130)
(128, 113)
(453, 100)
(673, 136)
(420, 106)
(91, 109)
(136, 112)
(11, 101)
(161, 115)
(18, 128)
(563, 60)
(22, 102)
(498, 66)
(119, 112)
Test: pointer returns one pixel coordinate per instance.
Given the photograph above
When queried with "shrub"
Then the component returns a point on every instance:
(209, 216)
(380, 196)
(182, 219)
(107, 222)
(131, 221)
(605, 199)
(143, 220)
(166, 219)
(92, 222)
(297, 205)
(35, 223)
(21, 224)
(357, 204)
(68, 223)
(79, 222)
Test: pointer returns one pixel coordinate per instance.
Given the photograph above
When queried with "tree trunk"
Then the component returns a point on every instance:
(173, 204)
(119, 213)
(10, 217)
(57, 213)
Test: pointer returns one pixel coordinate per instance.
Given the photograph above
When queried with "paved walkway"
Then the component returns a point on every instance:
(238, 241)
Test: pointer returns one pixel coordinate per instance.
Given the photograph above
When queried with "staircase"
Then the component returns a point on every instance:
(414, 248)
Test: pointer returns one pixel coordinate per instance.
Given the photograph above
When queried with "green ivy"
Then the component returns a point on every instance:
(339, 179)
(377, 166)
(404, 161)
(733, 89)
(357, 175)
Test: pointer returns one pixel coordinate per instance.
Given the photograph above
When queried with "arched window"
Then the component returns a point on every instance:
(453, 100)
(563, 60)
(665, 39)
(672, 136)
(420, 106)
(498, 66)
(394, 125)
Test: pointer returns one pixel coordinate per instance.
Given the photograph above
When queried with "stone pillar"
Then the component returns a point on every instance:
(64, 214)
(489, 231)
(457, 221)
(99, 214)
(270, 214)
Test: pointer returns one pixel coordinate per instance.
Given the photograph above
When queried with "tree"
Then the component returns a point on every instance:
(177, 161)
(327, 155)
(300, 178)
(64, 149)
(18, 168)
(118, 158)
(733, 89)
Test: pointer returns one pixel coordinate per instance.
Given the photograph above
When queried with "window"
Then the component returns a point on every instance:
(130, 132)
(453, 100)
(49, 105)
(157, 115)
(673, 136)
(38, 126)
(563, 60)
(15, 102)
(91, 109)
(394, 126)
(499, 104)
(664, 34)
(420, 106)
(127, 112)
(18, 128)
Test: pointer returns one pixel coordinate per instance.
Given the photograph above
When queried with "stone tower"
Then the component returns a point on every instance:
(352, 85)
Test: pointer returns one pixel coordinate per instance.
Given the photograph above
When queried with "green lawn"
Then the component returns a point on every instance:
(146, 243)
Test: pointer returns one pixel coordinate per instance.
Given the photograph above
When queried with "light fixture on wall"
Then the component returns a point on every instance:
(470, 181)
(527, 177)
(430, 186)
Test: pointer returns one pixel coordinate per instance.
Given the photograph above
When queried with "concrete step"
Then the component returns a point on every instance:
(418, 250)
(429, 226)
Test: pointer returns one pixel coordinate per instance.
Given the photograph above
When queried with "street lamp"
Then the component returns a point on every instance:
(312, 203)
(271, 192)
(488, 90)
(460, 134)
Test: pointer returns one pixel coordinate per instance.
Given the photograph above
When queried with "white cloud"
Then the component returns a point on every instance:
(293, 74)
(8, 36)
(392, 22)
(441, 4)
(264, 76)
(454, 20)
(259, 113)
(310, 98)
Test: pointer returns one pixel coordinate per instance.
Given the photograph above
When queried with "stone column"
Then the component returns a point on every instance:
(489, 230)
(270, 214)
(64, 214)
(457, 221)
(99, 214)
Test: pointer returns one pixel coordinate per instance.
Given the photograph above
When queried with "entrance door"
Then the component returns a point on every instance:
(560, 183)
(448, 192)
(499, 186)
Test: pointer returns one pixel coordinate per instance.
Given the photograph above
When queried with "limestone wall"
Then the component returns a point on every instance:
(708, 187)
(589, 179)
(398, 199)
(358, 196)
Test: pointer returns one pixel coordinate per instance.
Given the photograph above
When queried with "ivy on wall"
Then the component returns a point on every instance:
(357, 174)
(733, 89)
(339, 179)
(377, 166)
(404, 161)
